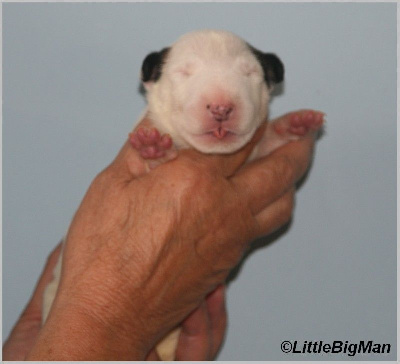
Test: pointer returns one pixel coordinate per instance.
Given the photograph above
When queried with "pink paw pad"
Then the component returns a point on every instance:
(300, 123)
(149, 143)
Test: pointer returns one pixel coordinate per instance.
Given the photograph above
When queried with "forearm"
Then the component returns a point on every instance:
(71, 335)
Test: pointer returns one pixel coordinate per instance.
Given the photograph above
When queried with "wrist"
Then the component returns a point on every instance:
(74, 333)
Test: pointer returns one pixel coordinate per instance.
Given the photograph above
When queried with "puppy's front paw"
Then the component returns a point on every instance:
(152, 146)
(299, 123)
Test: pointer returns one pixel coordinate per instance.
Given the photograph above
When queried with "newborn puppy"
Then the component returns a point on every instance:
(208, 91)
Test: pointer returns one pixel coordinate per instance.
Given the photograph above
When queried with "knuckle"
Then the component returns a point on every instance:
(102, 184)
(107, 177)
(102, 178)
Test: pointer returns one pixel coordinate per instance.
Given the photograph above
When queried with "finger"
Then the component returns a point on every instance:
(225, 164)
(195, 338)
(218, 318)
(35, 304)
(276, 214)
(264, 180)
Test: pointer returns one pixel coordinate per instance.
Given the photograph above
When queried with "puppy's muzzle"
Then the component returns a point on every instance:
(220, 112)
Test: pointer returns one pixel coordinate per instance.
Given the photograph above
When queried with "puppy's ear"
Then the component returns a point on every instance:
(272, 66)
(152, 67)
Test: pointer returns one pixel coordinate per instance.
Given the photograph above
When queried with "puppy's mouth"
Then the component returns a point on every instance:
(220, 133)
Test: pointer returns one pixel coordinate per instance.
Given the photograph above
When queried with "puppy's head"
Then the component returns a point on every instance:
(210, 90)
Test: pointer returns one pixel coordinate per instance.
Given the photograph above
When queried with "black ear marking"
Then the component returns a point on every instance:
(272, 66)
(152, 65)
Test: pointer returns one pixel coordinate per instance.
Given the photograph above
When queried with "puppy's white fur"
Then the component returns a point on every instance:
(205, 67)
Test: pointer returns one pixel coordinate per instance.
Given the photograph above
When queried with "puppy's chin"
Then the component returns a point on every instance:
(210, 144)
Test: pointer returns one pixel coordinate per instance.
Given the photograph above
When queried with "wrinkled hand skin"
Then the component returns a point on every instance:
(201, 335)
(25, 332)
(132, 231)
(202, 332)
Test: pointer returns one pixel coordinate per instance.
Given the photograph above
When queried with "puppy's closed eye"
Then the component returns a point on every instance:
(249, 68)
(186, 70)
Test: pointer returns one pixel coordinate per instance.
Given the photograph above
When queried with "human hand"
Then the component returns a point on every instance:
(143, 252)
(200, 339)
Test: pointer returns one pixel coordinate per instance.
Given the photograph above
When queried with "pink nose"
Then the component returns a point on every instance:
(220, 112)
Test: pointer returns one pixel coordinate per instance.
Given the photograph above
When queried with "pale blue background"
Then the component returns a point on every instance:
(70, 96)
